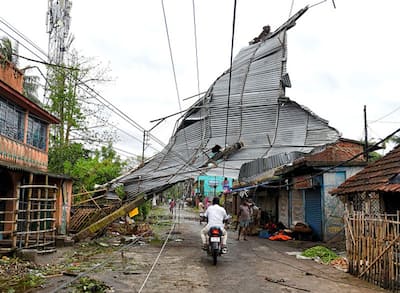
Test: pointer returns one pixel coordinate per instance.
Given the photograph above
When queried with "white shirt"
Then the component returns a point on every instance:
(216, 215)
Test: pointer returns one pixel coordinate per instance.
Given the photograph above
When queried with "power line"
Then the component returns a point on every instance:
(291, 9)
(230, 78)
(85, 87)
(195, 46)
(370, 148)
(12, 37)
(110, 106)
(389, 122)
(45, 63)
(170, 55)
(21, 35)
(384, 116)
(173, 68)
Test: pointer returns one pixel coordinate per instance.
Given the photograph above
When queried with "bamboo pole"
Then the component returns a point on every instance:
(46, 196)
(15, 225)
(28, 211)
(102, 223)
(90, 199)
(89, 192)
(382, 253)
(38, 215)
(53, 204)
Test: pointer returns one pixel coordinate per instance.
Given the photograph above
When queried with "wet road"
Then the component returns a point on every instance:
(257, 265)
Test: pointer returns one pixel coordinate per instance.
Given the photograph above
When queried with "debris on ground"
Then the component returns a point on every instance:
(319, 252)
(17, 275)
(282, 283)
(87, 284)
(341, 263)
(123, 229)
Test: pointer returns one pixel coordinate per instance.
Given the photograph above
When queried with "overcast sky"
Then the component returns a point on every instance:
(338, 59)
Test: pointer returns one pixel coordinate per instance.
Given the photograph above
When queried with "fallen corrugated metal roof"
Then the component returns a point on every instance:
(381, 175)
(267, 124)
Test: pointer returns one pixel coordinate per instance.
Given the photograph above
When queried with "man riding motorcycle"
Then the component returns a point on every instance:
(216, 216)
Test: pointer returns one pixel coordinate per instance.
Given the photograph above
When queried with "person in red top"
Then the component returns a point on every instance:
(172, 206)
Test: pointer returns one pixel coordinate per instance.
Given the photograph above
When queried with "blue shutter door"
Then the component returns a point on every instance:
(313, 211)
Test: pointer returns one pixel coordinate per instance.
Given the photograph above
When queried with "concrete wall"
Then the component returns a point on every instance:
(334, 208)
(283, 203)
(297, 207)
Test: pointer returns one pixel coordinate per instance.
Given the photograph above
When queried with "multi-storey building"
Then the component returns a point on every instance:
(34, 204)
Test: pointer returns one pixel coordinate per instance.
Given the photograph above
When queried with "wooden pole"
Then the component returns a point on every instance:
(104, 222)
(28, 211)
(15, 225)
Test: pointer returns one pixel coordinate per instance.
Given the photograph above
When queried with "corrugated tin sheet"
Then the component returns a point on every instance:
(376, 177)
(272, 128)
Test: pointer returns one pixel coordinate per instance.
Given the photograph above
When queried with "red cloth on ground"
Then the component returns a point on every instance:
(280, 237)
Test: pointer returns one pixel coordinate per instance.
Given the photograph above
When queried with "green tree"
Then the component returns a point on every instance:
(100, 167)
(61, 157)
(71, 99)
(8, 51)
(395, 139)
(82, 123)
(373, 155)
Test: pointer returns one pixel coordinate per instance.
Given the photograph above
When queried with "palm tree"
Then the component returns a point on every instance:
(8, 51)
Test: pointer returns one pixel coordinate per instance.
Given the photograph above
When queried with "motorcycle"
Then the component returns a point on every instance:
(202, 217)
(215, 243)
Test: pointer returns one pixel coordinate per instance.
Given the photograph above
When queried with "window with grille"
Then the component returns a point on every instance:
(11, 120)
(37, 133)
(356, 201)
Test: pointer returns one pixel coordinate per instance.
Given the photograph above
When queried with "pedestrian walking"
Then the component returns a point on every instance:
(244, 219)
(181, 203)
(172, 206)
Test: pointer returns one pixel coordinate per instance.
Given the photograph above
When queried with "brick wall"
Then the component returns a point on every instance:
(11, 76)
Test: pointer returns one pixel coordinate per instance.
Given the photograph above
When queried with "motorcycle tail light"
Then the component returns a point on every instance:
(215, 231)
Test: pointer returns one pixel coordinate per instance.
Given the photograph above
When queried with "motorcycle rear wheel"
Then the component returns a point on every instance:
(215, 255)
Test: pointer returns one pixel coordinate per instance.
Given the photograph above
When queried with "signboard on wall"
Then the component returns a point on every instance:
(213, 183)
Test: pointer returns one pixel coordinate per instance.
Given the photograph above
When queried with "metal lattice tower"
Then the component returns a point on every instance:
(58, 24)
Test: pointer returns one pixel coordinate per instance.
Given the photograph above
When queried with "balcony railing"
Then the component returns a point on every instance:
(22, 155)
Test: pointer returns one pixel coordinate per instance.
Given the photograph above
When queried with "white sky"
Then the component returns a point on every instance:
(338, 59)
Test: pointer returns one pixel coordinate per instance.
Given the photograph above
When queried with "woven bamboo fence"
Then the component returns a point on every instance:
(373, 248)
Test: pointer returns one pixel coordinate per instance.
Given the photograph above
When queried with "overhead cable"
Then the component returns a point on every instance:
(85, 87)
(386, 115)
(173, 68)
(230, 78)
(110, 107)
(195, 46)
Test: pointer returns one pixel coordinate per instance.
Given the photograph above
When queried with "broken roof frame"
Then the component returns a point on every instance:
(255, 114)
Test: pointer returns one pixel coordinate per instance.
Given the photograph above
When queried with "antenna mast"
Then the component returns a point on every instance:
(58, 23)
